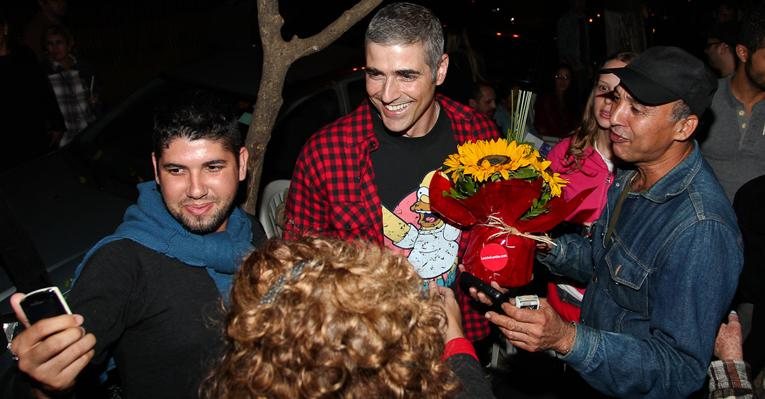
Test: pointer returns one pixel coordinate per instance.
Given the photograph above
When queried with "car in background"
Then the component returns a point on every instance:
(65, 201)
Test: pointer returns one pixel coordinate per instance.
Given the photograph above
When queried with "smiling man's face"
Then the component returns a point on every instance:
(401, 87)
(641, 133)
(199, 180)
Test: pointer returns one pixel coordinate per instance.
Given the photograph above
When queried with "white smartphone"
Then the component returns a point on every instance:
(44, 303)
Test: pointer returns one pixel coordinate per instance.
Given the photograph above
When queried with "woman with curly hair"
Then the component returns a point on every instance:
(322, 318)
(585, 160)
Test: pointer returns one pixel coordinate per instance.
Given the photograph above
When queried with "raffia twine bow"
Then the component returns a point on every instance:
(505, 229)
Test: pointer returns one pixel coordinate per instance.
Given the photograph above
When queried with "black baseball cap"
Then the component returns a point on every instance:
(663, 74)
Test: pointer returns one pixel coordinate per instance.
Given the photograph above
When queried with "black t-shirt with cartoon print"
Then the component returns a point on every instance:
(401, 162)
(403, 168)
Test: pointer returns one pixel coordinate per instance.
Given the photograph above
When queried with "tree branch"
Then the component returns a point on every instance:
(278, 55)
(339, 26)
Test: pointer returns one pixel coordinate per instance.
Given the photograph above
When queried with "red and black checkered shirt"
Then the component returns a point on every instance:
(332, 192)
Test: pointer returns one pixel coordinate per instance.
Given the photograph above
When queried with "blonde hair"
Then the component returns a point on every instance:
(345, 320)
(587, 132)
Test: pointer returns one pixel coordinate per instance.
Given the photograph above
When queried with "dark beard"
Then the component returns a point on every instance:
(196, 226)
(760, 84)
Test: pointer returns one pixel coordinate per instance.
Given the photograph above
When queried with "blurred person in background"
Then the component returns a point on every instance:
(720, 48)
(29, 115)
(556, 112)
(51, 12)
(484, 99)
(735, 140)
(72, 80)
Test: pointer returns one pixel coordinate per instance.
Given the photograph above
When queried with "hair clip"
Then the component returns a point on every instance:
(278, 285)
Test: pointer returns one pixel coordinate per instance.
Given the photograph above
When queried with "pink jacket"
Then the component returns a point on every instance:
(593, 173)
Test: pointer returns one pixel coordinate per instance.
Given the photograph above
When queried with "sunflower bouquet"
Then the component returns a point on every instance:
(505, 194)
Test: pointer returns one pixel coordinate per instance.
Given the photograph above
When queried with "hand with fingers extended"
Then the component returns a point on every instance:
(450, 306)
(52, 351)
(535, 329)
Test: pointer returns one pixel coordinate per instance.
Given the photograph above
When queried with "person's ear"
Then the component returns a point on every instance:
(472, 103)
(244, 156)
(154, 163)
(685, 127)
(443, 65)
(742, 53)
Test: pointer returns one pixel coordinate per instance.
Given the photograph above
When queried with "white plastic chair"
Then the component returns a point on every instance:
(271, 207)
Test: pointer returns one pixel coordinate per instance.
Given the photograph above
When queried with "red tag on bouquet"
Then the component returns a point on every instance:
(507, 259)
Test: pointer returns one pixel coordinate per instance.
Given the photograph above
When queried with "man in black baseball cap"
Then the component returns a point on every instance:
(664, 259)
(662, 81)
(664, 74)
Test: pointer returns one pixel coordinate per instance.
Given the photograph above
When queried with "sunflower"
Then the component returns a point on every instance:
(484, 161)
(555, 182)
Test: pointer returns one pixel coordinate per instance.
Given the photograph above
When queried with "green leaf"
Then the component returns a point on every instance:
(453, 194)
(527, 172)
(537, 208)
(466, 186)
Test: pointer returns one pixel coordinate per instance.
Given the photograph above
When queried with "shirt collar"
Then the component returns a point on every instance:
(676, 181)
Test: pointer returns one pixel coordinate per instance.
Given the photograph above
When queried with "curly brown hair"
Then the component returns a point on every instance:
(353, 323)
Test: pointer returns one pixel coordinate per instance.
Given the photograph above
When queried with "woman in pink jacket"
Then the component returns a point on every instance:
(584, 159)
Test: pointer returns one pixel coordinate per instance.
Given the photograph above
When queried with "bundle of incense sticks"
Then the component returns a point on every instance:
(520, 104)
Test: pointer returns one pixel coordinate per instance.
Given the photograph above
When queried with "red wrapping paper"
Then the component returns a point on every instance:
(506, 258)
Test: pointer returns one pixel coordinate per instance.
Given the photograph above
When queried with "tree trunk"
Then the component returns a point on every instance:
(278, 55)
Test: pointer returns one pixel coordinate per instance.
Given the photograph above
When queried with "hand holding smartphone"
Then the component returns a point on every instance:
(44, 303)
(51, 354)
(497, 298)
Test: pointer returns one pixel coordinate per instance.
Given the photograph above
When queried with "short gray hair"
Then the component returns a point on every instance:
(680, 111)
(406, 24)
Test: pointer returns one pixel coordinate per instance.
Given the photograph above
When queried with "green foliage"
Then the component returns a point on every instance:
(527, 172)
(539, 206)
(463, 188)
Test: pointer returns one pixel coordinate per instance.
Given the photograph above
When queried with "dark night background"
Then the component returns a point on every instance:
(129, 42)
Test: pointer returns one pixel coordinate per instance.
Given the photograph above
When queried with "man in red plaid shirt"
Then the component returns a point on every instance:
(366, 174)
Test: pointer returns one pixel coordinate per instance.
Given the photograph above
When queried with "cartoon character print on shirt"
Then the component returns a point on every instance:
(430, 244)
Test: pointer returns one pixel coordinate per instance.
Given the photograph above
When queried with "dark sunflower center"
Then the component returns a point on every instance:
(494, 159)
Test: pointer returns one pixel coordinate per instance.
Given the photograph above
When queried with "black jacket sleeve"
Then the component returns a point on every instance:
(475, 383)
